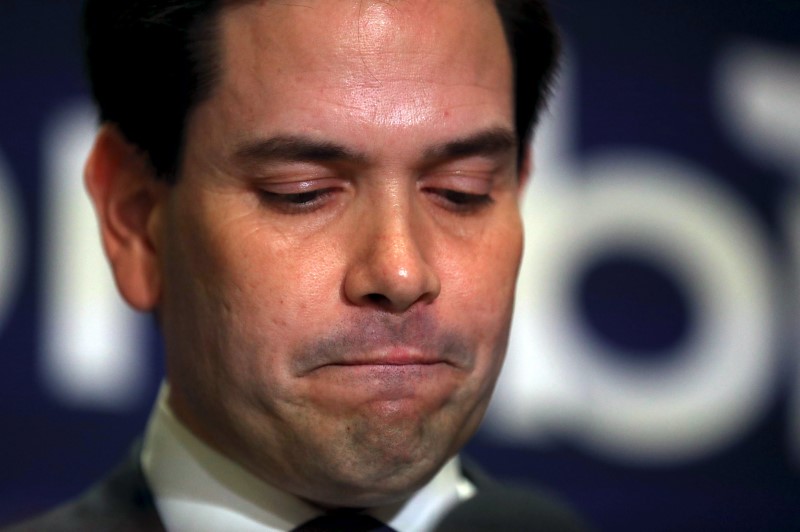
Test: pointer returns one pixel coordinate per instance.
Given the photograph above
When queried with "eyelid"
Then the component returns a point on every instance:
(298, 186)
(466, 182)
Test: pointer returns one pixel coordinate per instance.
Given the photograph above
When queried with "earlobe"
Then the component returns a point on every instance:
(127, 198)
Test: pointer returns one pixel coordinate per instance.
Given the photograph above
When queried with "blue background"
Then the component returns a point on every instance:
(643, 77)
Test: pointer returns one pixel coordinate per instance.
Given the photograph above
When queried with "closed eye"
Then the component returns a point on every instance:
(297, 202)
(458, 201)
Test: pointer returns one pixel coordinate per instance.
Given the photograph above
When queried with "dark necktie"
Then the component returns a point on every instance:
(344, 522)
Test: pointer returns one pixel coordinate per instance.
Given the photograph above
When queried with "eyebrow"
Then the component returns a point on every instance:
(489, 142)
(296, 148)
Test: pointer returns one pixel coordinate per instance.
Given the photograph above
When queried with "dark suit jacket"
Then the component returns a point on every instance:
(123, 502)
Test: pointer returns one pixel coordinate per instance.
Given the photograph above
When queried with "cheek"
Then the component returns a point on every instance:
(482, 278)
(272, 293)
(483, 271)
(288, 278)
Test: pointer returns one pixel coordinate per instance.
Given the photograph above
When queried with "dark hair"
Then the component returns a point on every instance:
(150, 62)
(535, 51)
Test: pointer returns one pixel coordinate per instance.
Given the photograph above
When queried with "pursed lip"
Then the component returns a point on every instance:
(392, 357)
(412, 343)
(393, 376)
(398, 357)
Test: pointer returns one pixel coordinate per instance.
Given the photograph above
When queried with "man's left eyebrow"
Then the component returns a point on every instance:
(487, 143)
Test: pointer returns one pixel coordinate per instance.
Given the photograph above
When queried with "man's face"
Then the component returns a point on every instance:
(340, 252)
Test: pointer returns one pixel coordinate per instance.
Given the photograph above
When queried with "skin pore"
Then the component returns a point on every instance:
(334, 269)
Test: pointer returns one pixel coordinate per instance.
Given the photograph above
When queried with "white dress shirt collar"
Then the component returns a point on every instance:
(198, 489)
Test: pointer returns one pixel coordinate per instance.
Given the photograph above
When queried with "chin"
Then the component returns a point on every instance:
(376, 487)
(384, 470)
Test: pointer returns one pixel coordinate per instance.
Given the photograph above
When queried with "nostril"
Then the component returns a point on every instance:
(378, 299)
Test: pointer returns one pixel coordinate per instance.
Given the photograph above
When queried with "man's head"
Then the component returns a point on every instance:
(151, 61)
(333, 263)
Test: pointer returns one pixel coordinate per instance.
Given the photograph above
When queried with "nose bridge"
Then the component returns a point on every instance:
(396, 238)
(394, 268)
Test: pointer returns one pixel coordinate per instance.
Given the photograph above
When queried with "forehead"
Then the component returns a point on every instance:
(363, 27)
(393, 62)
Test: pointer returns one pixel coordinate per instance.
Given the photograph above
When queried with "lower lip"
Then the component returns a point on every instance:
(388, 381)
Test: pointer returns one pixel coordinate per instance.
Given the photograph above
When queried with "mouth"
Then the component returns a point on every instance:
(373, 343)
(387, 377)
(388, 361)
(391, 357)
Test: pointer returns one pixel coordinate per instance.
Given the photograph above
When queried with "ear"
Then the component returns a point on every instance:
(128, 200)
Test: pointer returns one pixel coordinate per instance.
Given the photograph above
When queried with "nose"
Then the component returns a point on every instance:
(389, 269)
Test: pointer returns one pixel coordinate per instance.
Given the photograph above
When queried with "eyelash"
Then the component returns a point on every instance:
(462, 202)
(303, 202)
(296, 203)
